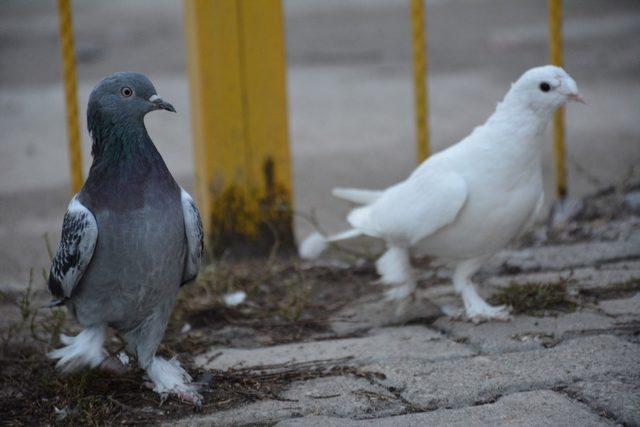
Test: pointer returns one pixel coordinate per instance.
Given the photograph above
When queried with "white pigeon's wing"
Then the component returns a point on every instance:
(414, 209)
(78, 240)
(195, 237)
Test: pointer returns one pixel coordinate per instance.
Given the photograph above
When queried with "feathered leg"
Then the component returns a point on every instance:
(395, 269)
(167, 376)
(83, 350)
(477, 309)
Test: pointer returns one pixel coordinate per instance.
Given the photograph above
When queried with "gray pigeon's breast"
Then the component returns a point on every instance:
(137, 263)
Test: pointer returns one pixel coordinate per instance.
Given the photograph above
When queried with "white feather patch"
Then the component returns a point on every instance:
(123, 358)
(169, 377)
(394, 266)
(234, 298)
(85, 349)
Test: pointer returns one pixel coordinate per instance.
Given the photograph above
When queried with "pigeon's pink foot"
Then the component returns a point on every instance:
(112, 365)
(192, 397)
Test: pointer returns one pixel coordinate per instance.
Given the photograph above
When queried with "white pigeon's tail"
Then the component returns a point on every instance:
(356, 195)
(313, 246)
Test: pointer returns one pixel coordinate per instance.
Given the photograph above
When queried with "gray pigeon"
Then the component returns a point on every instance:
(130, 238)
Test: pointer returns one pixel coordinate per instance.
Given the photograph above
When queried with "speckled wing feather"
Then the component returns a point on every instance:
(78, 240)
(195, 238)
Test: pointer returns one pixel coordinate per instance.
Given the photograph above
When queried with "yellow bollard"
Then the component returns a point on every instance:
(237, 73)
(418, 39)
(70, 93)
(555, 48)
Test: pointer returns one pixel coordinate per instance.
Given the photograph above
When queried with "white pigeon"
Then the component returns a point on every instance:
(463, 204)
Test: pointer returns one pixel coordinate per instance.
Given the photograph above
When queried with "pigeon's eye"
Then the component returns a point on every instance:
(126, 91)
(545, 87)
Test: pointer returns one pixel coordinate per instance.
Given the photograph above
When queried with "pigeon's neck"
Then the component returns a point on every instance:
(125, 143)
(520, 117)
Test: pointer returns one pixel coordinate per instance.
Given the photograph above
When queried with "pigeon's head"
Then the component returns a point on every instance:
(121, 97)
(545, 88)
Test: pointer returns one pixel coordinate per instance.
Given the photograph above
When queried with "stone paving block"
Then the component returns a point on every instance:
(464, 382)
(342, 397)
(260, 412)
(525, 332)
(590, 278)
(581, 278)
(535, 408)
(571, 256)
(376, 312)
(618, 396)
(345, 397)
(624, 309)
(394, 343)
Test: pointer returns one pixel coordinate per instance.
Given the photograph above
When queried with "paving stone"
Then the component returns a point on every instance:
(535, 408)
(393, 343)
(464, 382)
(626, 309)
(575, 255)
(525, 332)
(371, 313)
(582, 278)
(343, 397)
(444, 297)
(589, 278)
(619, 396)
(261, 412)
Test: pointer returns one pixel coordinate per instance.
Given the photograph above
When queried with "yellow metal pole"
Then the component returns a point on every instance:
(421, 106)
(237, 73)
(70, 93)
(555, 48)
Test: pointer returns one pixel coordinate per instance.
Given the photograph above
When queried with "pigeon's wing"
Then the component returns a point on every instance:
(195, 238)
(78, 240)
(413, 209)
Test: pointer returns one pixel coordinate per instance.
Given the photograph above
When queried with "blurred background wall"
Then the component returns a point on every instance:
(350, 95)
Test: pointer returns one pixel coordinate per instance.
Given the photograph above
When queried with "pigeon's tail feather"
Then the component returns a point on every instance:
(313, 246)
(356, 195)
(85, 349)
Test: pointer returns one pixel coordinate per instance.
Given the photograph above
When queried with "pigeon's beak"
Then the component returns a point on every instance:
(160, 104)
(576, 97)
